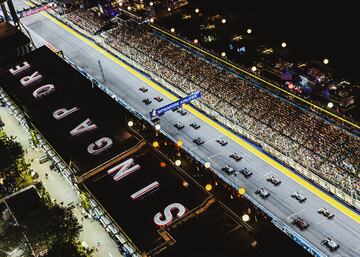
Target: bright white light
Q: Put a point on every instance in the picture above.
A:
(197, 10)
(177, 162)
(249, 31)
(157, 127)
(130, 123)
(253, 68)
(326, 61)
(245, 217)
(196, 41)
(207, 165)
(223, 21)
(330, 105)
(223, 54)
(151, 20)
(84, 244)
(169, 9)
(283, 44)
(151, 3)
(172, 30)
(129, 8)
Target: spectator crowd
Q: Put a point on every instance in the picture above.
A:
(322, 147)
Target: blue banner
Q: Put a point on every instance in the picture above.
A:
(164, 109)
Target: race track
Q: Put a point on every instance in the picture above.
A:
(343, 229)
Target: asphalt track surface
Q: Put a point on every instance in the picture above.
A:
(344, 228)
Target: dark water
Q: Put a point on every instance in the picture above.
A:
(313, 30)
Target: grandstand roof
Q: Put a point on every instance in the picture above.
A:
(72, 90)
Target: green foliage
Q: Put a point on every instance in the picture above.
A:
(52, 225)
(85, 201)
(44, 194)
(11, 239)
(54, 228)
(10, 152)
(66, 249)
(33, 137)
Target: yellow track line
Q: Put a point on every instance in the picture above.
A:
(258, 78)
(215, 125)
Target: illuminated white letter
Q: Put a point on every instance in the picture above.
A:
(99, 146)
(19, 68)
(27, 80)
(43, 91)
(86, 125)
(162, 222)
(149, 188)
(122, 169)
(62, 112)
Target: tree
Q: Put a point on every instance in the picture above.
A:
(49, 227)
(11, 239)
(54, 225)
(65, 249)
(64, 225)
(10, 151)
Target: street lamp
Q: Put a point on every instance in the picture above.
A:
(253, 68)
(245, 217)
(197, 10)
(178, 163)
(152, 20)
(330, 105)
(196, 41)
(172, 30)
(326, 61)
(157, 127)
(283, 44)
(179, 143)
(155, 144)
(129, 8)
(223, 54)
(151, 3)
(169, 9)
(130, 123)
(207, 165)
(249, 31)
(208, 187)
(223, 21)
(241, 191)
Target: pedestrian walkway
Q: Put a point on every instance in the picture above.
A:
(13, 128)
(60, 190)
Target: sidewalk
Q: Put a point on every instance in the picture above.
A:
(61, 190)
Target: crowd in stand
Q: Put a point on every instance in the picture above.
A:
(323, 148)
(87, 20)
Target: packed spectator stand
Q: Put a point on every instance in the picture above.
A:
(322, 147)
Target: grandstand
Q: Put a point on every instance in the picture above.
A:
(321, 146)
